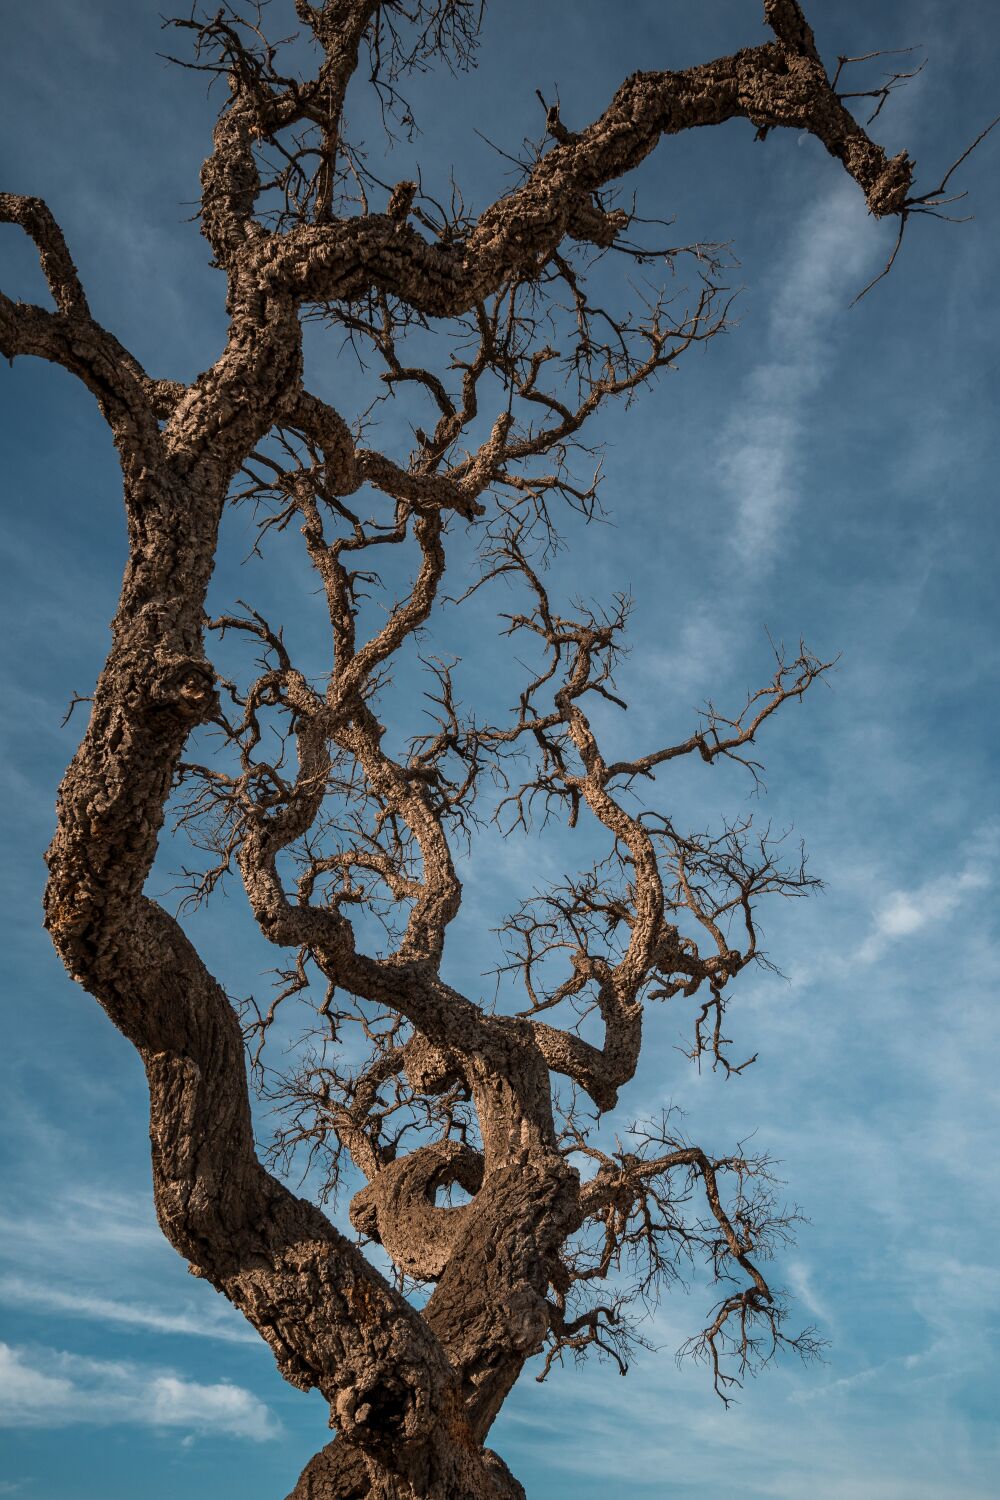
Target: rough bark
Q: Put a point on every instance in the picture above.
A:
(411, 1393)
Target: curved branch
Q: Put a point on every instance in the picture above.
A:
(397, 1208)
(129, 399)
(779, 84)
(35, 218)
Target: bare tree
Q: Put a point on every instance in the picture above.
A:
(333, 827)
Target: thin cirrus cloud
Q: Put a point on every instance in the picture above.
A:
(780, 1451)
(77, 1219)
(906, 913)
(16, 1291)
(50, 1388)
(67, 1242)
(762, 445)
(761, 468)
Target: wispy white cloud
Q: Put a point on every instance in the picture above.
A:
(801, 1283)
(762, 462)
(91, 1253)
(694, 657)
(51, 1388)
(15, 1291)
(780, 1447)
(76, 1218)
(903, 913)
(762, 465)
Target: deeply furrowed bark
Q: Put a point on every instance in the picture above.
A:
(411, 1394)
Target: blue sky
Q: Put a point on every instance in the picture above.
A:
(820, 471)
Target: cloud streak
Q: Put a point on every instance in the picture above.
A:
(50, 1388)
(762, 444)
(906, 913)
(15, 1291)
(77, 1218)
(761, 467)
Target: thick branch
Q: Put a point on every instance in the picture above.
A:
(778, 84)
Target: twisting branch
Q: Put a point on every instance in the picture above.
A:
(129, 399)
(60, 273)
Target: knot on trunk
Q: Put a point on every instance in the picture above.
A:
(891, 188)
(429, 1069)
(185, 687)
(592, 224)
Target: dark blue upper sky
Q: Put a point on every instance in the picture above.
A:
(821, 471)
